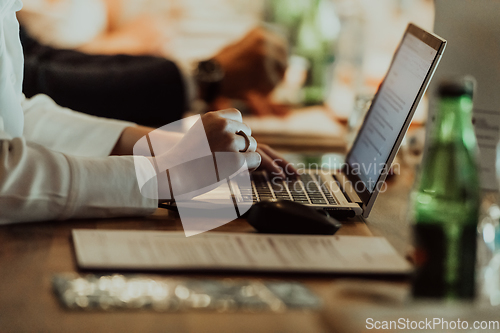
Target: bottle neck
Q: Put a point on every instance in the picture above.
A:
(454, 121)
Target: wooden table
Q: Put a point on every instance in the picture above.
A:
(30, 254)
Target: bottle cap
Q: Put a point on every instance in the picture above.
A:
(456, 88)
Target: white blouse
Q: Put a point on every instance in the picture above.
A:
(54, 162)
(52, 173)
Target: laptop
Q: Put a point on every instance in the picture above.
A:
(352, 190)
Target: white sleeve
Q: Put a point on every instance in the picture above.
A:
(66, 131)
(61, 168)
(38, 184)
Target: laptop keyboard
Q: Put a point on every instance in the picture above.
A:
(306, 190)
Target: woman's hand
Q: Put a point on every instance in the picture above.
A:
(221, 128)
(217, 129)
(210, 151)
(275, 164)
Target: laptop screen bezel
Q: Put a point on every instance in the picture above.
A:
(367, 197)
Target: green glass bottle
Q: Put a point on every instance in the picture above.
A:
(447, 200)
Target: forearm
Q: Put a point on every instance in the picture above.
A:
(130, 135)
(128, 138)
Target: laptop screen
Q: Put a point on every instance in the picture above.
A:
(390, 109)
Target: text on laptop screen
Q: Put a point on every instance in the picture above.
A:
(390, 109)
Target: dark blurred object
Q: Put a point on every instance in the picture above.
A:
(288, 217)
(143, 89)
(456, 88)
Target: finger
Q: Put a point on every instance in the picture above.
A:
(234, 126)
(287, 167)
(253, 144)
(253, 159)
(229, 163)
(241, 143)
(270, 165)
(232, 114)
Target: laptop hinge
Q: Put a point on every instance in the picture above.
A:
(339, 184)
(347, 189)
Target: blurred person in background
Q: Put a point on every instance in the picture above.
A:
(147, 61)
(55, 163)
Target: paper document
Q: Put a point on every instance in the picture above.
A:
(163, 250)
